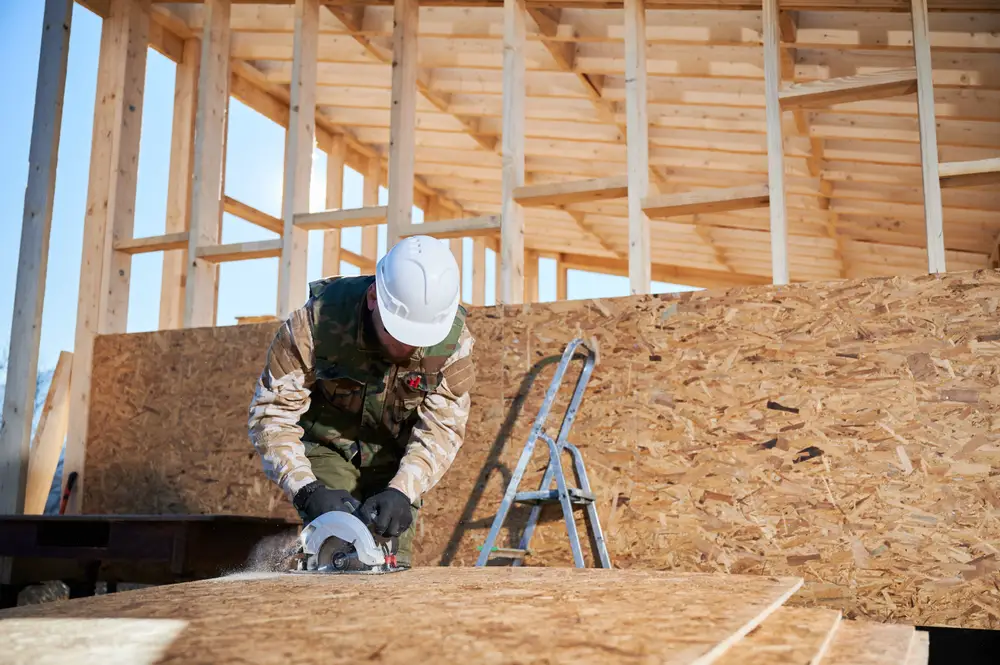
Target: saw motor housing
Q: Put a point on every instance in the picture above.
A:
(339, 542)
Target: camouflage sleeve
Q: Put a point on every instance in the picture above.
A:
(440, 429)
(279, 400)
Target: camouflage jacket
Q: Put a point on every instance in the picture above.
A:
(325, 381)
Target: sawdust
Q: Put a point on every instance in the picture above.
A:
(274, 554)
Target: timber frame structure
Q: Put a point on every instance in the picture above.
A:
(715, 143)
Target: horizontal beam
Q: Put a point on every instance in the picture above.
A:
(154, 243)
(970, 174)
(343, 218)
(252, 215)
(709, 200)
(363, 263)
(241, 251)
(577, 191)
(827, 92)
(707, 279)
(455, 228)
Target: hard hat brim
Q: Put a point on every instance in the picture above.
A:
(413, 333)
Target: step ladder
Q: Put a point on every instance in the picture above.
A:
(562, 494)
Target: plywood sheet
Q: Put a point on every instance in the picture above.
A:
(491, 615)
(859, 643)
(920, 650)
(789, 635)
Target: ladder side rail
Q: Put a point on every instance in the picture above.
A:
(584, 483)
(564, 500)
(581, 387)
(536, 511)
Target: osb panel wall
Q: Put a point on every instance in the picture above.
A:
(845, 432)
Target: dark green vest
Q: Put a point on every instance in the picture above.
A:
(359, 397)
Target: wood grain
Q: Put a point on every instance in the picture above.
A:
(789, 635)
(871, 644)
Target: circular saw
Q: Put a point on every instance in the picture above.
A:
(339, 542)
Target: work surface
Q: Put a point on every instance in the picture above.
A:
(483, 615)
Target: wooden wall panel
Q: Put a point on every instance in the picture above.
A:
(845, 432)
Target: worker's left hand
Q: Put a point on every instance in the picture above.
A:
(389, 512)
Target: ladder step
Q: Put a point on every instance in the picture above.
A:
(576, 495)
(844, 89)
(508, 553)
(707, 200)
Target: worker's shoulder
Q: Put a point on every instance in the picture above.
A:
(459, 338)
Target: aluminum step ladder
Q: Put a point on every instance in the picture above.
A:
(562, 494)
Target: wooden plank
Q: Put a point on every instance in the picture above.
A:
(933, 214)
(166, 242)
(576, 191)
(240, 251)
(369, 194)
(775, 143)
(252, 215)
(478, 271)
(706, 201)
(790, 635)
(511, 259)
(33, 257)
(336, 155)
(49, 437)
(994, 260)
(403, 118)
(662, 272)
(470, 227)
(342, 219)
(637, 140)
(179, 185)
(209, 147)
(299, 141)
(661, 617)
(845, 89)
(365, 264)
(562, 279)
(863, 643)
(530, 276)
(970, 174)
(920, 650)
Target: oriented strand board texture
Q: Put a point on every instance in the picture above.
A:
(442, 615)
(790, 635)
(871, 644)
(847, 433)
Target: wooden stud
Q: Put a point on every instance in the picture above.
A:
(36, 226)
(299, 142)
(209, 142)
(369, 194)
(252, 215)
(846, 89)
(179, 185)
(511, 259)
(562, 279)
(933, 214)
(637, 140)
(478, 271)
(334, 200)
(576, 191)
(706, 201)
(403, 117)
(470, 227)
(165, 243)
(970, 174)
(530, 276)
(241, 251)
(49, 437)
(775, 144)
(368, 218)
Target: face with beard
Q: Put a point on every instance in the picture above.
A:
(394, 350)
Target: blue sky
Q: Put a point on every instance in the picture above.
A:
(253, 175)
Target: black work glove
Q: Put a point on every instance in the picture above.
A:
(316, 498)
(388, 511)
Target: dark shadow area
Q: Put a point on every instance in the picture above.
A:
(969, 646)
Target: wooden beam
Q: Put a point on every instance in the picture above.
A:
(209, 142)
(32, 266)
(336, 155)
(530, 276)
(342, 219)
(845, 89)
(709, 279)
(179, 185)
(369, 194)
(241, 251)
(166, 242)
(705, 201)
(639, 242)
(299, 142)
(252, 215)
(49, 437)
(994, 261)
(775, 144)
(562, 279)
(365, 264)
(512, 142)
(970, 174)
(478, 271)
(577, 191)
(470, 227)
(403, 118)
(933, 213)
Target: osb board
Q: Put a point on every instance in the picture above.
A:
(790, 635)
(857, 643)
(436, 615)
(920, 650)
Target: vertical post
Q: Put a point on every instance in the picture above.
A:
(458, 251)
(49, 437)
(511, 259)
(369, 197)
(179, 185)
(104, 179)
(479, 271)
(637, 146)
(402, 118)
(775, 144)
(209, 142)
(36, 226)
(299, 141)
(530, 276)
(562, 280)
(933, 214)
(336, 156)
(217, 268)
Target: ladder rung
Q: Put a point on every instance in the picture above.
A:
(508, 552)
(844, 89)
(552, 496)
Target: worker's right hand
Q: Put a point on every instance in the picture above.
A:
(316, 498)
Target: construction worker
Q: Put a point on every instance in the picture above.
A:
(364, 396)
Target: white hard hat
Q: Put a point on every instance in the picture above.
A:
(418, 287)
